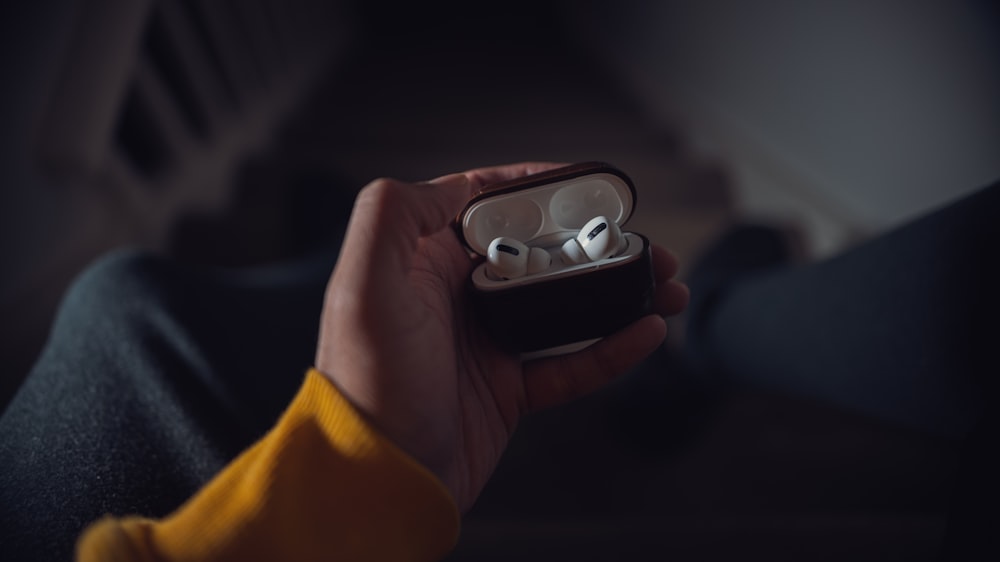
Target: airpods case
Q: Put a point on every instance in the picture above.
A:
(564, 307)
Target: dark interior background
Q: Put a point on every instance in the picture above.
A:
(232, 133)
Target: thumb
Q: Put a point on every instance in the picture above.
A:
(389, 218)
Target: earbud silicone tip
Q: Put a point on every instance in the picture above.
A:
(572, 253)
(538, 260)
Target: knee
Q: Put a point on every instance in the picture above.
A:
(120, 288)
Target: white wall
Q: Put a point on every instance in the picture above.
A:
(875, 110)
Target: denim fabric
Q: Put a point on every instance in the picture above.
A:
(154, 377)
(900, 327)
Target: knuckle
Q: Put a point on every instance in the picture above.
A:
(607, 365)
(380, 190)
(380, 198)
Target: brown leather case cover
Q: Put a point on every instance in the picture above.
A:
(592, 304)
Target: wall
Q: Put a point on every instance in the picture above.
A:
(123, 117)
(872, 111)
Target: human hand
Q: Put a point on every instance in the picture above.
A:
(397, 337)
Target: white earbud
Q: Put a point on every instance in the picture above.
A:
(507, 258)
(598, 239)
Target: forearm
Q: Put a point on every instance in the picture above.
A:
(321, 485)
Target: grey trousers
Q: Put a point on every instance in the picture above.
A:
(156, 374)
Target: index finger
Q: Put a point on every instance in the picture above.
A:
(481, 177)
(665, 264)
(388, 219)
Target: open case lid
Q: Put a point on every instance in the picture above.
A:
(548, 208)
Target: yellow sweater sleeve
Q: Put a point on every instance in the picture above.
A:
(322, 485)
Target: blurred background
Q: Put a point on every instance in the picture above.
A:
(236, 133)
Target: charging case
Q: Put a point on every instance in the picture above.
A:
(566, 306)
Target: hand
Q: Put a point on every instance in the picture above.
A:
(398, 340)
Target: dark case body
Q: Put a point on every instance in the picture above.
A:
(550, 313)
